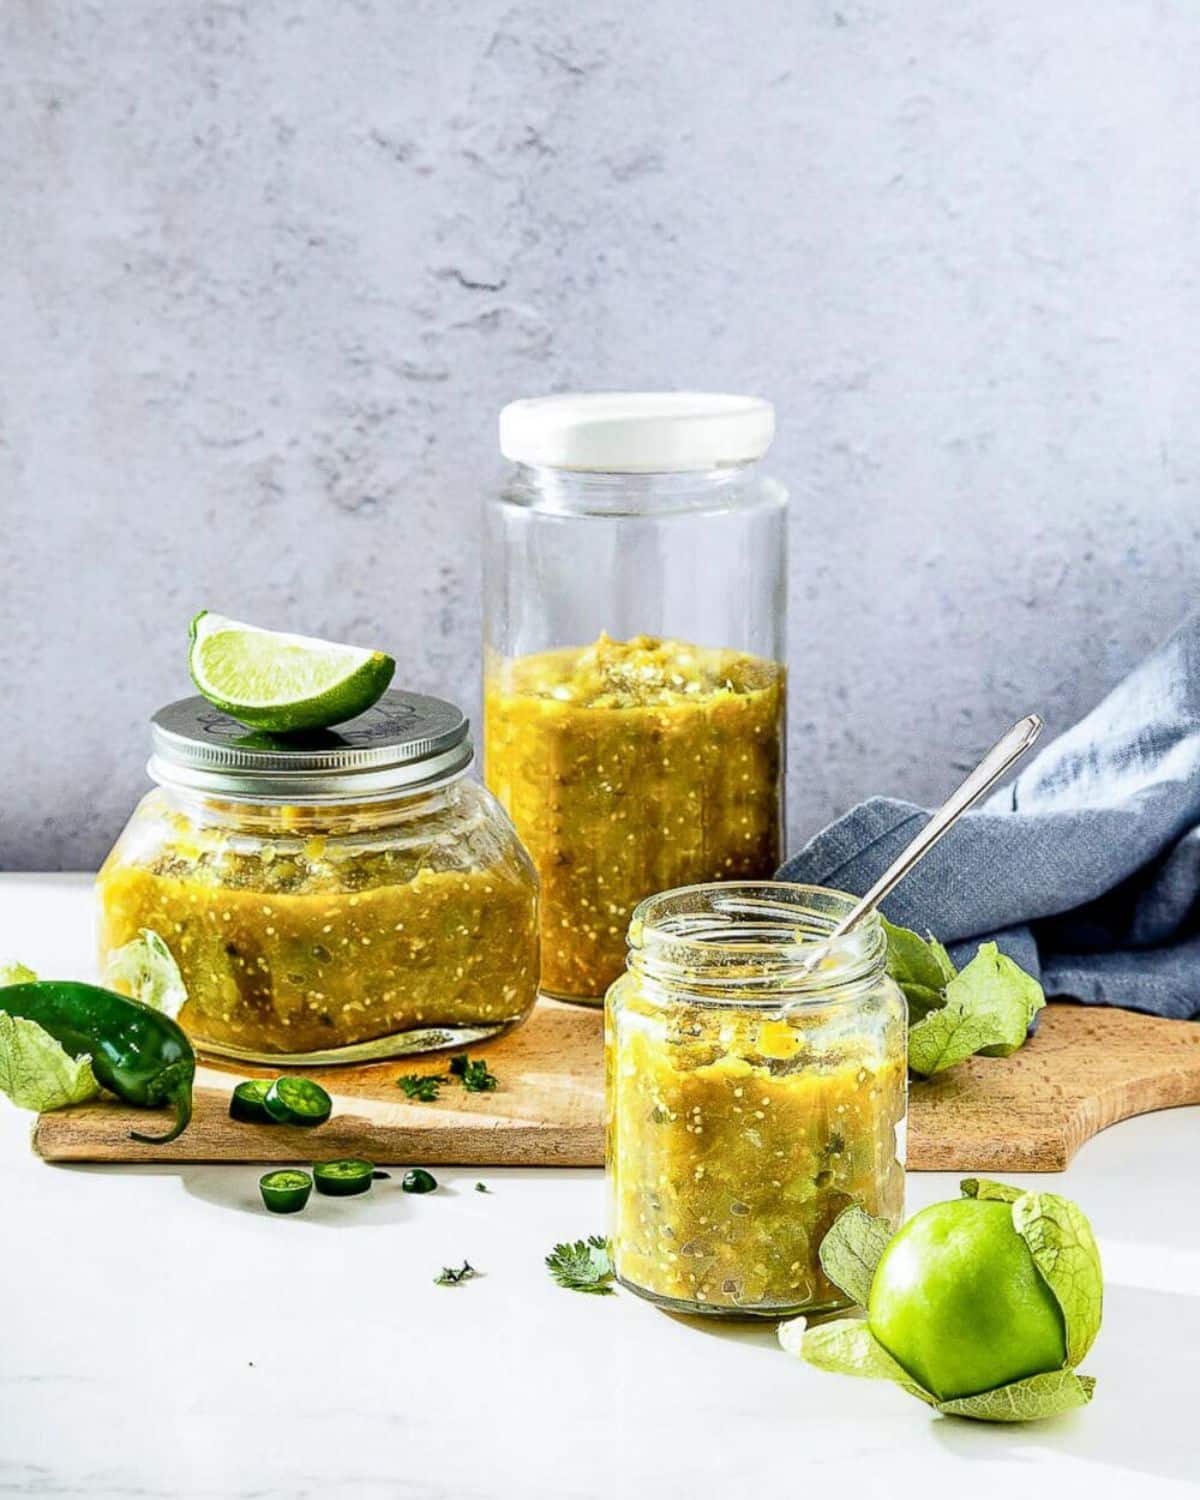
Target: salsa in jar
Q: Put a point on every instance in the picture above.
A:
(346, 895)
(750, 1099)
(630, 767)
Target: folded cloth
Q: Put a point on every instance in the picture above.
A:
(1085, 869)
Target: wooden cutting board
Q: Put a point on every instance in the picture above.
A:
(548, 1110)
(1085, 1069)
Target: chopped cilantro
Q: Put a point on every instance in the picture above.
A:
(422, 1086)
(451, 1277)
(473, 1074)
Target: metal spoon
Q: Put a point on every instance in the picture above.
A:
(1009, 748)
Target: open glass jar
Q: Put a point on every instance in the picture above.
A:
(332, 897)
(635, 588)
(750, 1098)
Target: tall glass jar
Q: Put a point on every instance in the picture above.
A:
(330, 897)
(634, 623)
(750, 1098)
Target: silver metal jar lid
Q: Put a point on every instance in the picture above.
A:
(405, 740)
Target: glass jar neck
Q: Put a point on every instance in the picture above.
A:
(755, 943)
(587, 492)
(310, 818)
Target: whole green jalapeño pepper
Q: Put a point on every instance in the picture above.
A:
(137, 1053)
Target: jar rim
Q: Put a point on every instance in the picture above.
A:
(739, 937)
(575, 496)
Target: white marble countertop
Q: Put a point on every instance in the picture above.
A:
(164, 1336)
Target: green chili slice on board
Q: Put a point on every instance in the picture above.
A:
(343, 1178)
(137, 1053)
(248, 1102)
(297, 1101)
(285, 1192)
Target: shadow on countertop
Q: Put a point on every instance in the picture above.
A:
(1143, 1415)
(235, 1187)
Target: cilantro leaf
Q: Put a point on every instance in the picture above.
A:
(422, 1086)
(146, 969)
(584, 1266)
(988, 1007)
(473, 1074)
(36, 1072)
(451, 1277)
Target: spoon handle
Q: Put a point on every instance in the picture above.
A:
(1009, 748)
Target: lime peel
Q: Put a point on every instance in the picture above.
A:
(283, 683)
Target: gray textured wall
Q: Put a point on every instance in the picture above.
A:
(267, 271)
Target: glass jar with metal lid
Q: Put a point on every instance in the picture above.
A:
(635, 584)
(756, 1087)
(328, 897)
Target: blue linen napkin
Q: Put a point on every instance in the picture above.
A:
(1085, 869)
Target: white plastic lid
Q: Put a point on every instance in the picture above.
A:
(637, 432)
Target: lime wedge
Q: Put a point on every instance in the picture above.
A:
(280, 682)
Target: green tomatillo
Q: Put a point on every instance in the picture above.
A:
(981, 1307)
(957, 1300)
